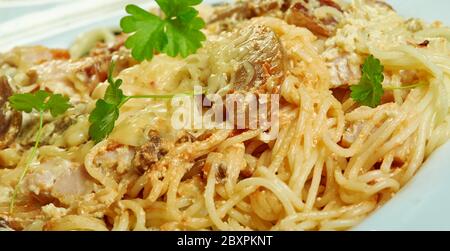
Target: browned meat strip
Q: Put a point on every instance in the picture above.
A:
(301, 16)
(330, 3)
(196, 169)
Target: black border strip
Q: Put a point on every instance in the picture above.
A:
(165, 241)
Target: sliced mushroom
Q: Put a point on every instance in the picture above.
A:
(263, 58)
(10, 120)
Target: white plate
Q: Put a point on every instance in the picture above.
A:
(423, 204)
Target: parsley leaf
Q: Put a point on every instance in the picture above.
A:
(28, 101)
(172, 7)
(178, 34)
(370, 89)
(40, 101)
(103, 119)
(106, 111)
(114, 95)
(148, 34)
(57, 104)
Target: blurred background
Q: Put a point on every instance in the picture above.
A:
(56, 22)
(10, 9)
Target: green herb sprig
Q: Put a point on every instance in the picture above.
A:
(177, 34)
(369, 90)
(40, 101)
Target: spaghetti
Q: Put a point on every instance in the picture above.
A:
(333, 163)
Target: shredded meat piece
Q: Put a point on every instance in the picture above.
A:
(10, 120)
(342, 72)
(59, 179)
(83, 75)
(150, 153)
